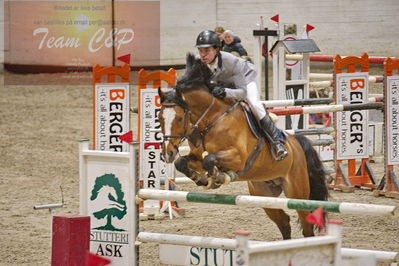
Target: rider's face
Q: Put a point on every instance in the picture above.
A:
(207, 54)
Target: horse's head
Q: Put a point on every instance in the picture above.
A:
(174, 119)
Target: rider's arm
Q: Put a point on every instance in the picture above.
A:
(240, 72)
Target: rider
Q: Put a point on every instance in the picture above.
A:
(240, 74)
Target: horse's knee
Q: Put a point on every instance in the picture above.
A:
(181, 165)
(209, 163)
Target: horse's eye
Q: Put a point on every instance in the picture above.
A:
(179, 119)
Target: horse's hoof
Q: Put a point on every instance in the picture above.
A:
(202, 183)
(212, 184)
(227, 179)
(199, 179)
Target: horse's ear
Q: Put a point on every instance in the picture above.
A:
(161, 94)
(190, 60)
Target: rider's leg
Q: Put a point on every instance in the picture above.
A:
(279, 151)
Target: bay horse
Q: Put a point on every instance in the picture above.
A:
(221, 143)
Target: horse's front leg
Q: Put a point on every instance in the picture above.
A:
(191, 166)
(222, 167)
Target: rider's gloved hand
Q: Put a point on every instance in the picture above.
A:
(219, 91)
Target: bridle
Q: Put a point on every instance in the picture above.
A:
(186, 119)
(194, 131)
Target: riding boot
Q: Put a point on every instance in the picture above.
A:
(278, 149)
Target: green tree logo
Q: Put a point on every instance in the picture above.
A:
(117, 206)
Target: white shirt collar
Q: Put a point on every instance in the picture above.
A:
(214, 65)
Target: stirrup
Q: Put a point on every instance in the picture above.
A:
(279, 151)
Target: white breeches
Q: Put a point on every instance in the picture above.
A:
(254, 101)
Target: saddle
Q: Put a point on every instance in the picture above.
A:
(254, 125)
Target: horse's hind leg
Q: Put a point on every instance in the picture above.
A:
(297, 187)
(307, 228)
(282, 220)
(279, 217)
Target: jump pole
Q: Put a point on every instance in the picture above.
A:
(310, 101)
(269, 202)
(330, 58)
(327, 108)
(330, 83)
(389, 185)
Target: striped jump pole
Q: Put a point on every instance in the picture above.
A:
(329, 76)
(330, 83)
(307, 131)
(314, 142)
(311, 131)
(330, 58)
(311, 101)
(269, 202)
(293, 102)
(326, 108)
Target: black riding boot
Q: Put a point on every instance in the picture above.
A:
(279, 151)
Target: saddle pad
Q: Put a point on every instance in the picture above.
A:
(254, 125)
(251, 120)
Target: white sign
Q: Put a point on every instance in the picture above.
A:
(186, 255)
(152, 168)
(107, 196)
(112, 116)
(352, 142)
(392, 101)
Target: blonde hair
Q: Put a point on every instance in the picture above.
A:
(219, 29)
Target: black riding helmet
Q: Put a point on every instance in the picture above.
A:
(208, 38)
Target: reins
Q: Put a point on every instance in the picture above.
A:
(206, 130)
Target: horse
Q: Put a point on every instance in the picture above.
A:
(224, 149)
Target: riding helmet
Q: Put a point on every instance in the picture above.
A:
(208, 38)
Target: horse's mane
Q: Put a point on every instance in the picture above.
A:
(172, 97)
(197, 75)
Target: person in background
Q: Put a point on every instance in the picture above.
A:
(232, 44)
(219, 31)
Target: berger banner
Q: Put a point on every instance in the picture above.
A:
(352, 139)
(71, 36)
(392, 101)
(112, 116)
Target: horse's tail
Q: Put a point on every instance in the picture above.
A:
(317, 175)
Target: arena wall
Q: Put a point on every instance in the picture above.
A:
(346, 27)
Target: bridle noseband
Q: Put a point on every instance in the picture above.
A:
(185, 129)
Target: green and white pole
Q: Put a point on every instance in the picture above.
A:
(269, 202)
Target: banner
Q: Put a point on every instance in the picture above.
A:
(392, 101)
(352, 126)
(73, 35)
